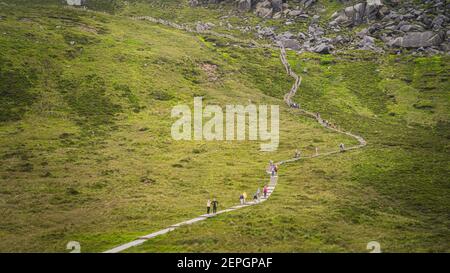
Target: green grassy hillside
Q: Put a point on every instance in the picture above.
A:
(395, 191)
(86, 153)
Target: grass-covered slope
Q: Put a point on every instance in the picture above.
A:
(395, 191)
(86, 153)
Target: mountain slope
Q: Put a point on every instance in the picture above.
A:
(86, 153)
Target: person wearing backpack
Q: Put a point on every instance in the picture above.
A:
(215, 204)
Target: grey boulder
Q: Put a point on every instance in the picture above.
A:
(418, 39)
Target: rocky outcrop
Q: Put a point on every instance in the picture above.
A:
(392, 25)
(193, 3)
(291, 44)
(244, 5)
(264, 9)
(322, 48)
(201, 27)
(407, 26)
(76, 2)
(358, 14)
(418, 39)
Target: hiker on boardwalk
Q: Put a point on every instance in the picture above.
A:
(208, 206)
(265, 190)
(258, 194)
(245, 196)
(255, 197)
(241, 199)
(271, 168)
(215, 204)
(342, 147)
(297, 154)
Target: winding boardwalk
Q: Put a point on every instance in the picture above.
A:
(274, 179)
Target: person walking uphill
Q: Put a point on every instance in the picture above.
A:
(215, 204)
(208, 206)
(270, 168)
(273, 169)
(265, 190)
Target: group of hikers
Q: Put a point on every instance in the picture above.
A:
(325, 122)
(297, 153)
(272, 169)
(242, 199)
(329, 125)
(294, 105)
(256, 195)
(214, 203)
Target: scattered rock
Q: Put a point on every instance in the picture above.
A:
(421, 26)
(295, 13)
(307, 3)
(201, 27)
(359, 13)
(437, 23)
(266, 32)
(76, 2)
(147, 180)
(418, 39)
(411, 27)
(301, 36)
(193, 3)
(245, 5)
(322, 49)
(277, 5)
(277, 15)
(264, 9)
(291, 44)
